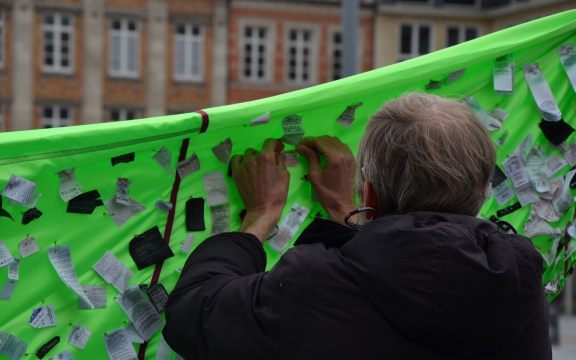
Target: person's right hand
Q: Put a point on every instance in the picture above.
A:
(334, 184)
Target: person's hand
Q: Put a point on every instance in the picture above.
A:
(333, 183)
(262, 181)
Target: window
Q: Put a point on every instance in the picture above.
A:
(299, 55)
(124, 50)
(1, 118)
(189, 52)
(56, 116)
(255, 53)
(123, 114)
(2, 31)
(58, 39)
(337, 56)
(415, 40)
(458, 34)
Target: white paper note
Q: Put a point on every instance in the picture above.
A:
(8, 289)
(536, 169)
(264, 119)
(569, 152)
(535, 226)
(288, 227)
(13, 268)
(551, 255)
(96, 294)
(453, 76)
(78, 336)
(38, 314)
(545, 209)
(223, 150)
(503, 193)
(113, 271)
(293, 130)
(5, 256)
(291, 158)
(347, 117)
(554, 164)
(69, 186)
(220, 215)
(49, 319)
(504, 74)
(215, 186)
(122, 192)
(122, 213)
(187, 244)
(133, 334)
(562, 203)
(163, 206)
(541, 91)
(64, 355)
(526, 195)
(188, 166)
(27, 247)
(500, 142)
(515, 171)
(61, 259)
(140, 311)
(567, 56)
(489, 122)
(19, 189)
(555, 189)
(118, 345)
(11, 346)
(31, 203)
(164, 158)
(164, 352)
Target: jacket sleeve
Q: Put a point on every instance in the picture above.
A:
(224, 306)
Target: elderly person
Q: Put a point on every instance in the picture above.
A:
(422, 279)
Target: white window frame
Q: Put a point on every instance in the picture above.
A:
(189, 40)
(332, 30)
(57, 30)
(414, 41)
(461, 32)
(55, 121)
(269, 53)
(123, 114)
(125, 35)
(2, 39)
(314, 41)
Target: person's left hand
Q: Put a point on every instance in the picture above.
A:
(262, 181)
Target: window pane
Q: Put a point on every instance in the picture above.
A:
(471, 34)
(47, 112)
(406, 39)
(293, 35)
(64, 113)
(262, 33)
(180, 57)
(65, 20)
(130, 115)
(452, 36)
(115, 53)
(337, 38)
(116, 25)
(195, 58)
(180, 29)
(114, 115)
(49, 19)
(248, 31)
(132, 50)
(131, 26)
(195, 30)
(424, 40)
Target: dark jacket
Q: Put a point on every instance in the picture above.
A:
(417, 286)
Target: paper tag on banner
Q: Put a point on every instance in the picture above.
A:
(61, 259)
(31, 203)
(288, 228)
(348, 116)
(8, 289)
(555, 189)
(515, 171)
(5, 256)
(567, 56)
(541, 91)
(504, 74)
(121, 213)
(133, 334)
(562, 203)
(293, 130)
(78, 336)
(96, 294)
(119, 346)
(215, 186)
(503, 193)
(536, 169)
(453, 76)
(535, 226)
(164, 351)
(122, 196)
(500, 142)
(37, 316)
(164, 158)
(220, 219)
(140, 311)
(113, 271)
(49, 319)
(13, 268)
(19, 189)
(260, 120)
(526, 195)
(187, 244)
(554, 164)
(489, 122)
(69, 186)
(545, 209)
(11, 346)
(223, 150)
(551, 255)
(569, 152)
(64, 355)
(291, 158)
(188, 166)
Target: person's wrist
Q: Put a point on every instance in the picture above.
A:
(260, 223)
(338, 213)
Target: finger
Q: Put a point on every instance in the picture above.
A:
(321, 144)
(273, 146)
(311, 155)
(249, 153)
(281, 160)
(236, 160)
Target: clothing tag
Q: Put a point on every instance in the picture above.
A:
(47, 347)
(122, 196)
(551, 287)
(535, 226)
(195, 215)
(541, 92)
(215, 187)
(145, 318)
(27, 247)
(551, 255)
(37, 316)
(556, 131)
(7, 291)
(164, 159)
(555, 189)
(500, 142)
(149, 249)
(187, 244)
(489, 122)
(567, 56)
(49, 319)
(30, 215)
(19, 189)
(164, 352)
(126, 158)
(223, 150)
(291, 158)
(453, 76)
(433, 85)
(163, 206)
(229, 169)
(61, 259)
(264, 119)
(498, 177)
(121, 213)
(64, 355)
(569, 152)
(293, 130)
(13, 268)
(526, 195)
(220, 219)
(133, 334)
(536, 169)
(562, 203)
(96, 294)
(31, 203)
(113, 271)
(504, 74)
(288, 227)
(4, 213)
(508, 210)
(5, 256)
(69, 186)
(118, 345)
(503, 193)
(347, 117)
(498, 114)
(188, 166)
(158, 296)
(515, 171)
(85, 203)
(78, 336)
(554, 164)
(11, 346)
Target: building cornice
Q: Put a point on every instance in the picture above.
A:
(71, 8)
(312, 7)
(193, 18)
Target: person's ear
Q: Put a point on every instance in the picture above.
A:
(370, 199)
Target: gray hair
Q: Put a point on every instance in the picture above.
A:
(422, 152)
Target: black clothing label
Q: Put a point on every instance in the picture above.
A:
(508, 210)
(230, 168)
(433, 85)
(149, 248)
(47, 347)
(85, 203)
(195, 215)
(556, 131)
(30, 215)
(3, 212)
(126, 158)
(158, 296)
(498, 177)
(573, 182)
(503, 225)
